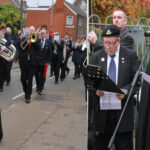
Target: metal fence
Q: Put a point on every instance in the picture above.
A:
(137, 32)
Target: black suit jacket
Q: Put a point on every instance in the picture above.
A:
(30, 54)
(44, 54)
(126, 39)
(128, 65)
(68, 52)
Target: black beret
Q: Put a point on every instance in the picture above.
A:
(111, 31)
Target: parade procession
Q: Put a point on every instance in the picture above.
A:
(74, 75)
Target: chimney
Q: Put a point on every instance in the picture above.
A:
(60, 4)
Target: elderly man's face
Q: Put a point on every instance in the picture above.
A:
(43, 33)
(32, 30)
(111, 45)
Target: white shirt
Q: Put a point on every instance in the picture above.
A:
(116, 60)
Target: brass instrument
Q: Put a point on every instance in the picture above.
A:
(31, 37)
(9, 52)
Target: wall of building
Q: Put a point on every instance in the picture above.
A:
(60, 11)
(37, 18)
(5, 1)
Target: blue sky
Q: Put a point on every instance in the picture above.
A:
(32, 3)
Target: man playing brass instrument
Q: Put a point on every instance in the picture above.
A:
(2, 60)
(28, 59)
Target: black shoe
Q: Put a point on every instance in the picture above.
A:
(7, 83)
(1, 90)
(39, 92)
(68, 71)
(51, 75)
(62, 79)
(56, 82)
(28, 100)
(75, 77)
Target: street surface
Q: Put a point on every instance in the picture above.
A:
(57, 120)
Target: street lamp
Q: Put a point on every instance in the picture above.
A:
(51, 16)
(21, 14)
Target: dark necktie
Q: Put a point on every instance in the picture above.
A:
(112, 70)
(42, 44)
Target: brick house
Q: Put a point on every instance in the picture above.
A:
(65, 18)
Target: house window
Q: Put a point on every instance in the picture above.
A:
(69, 20)
(80, 21)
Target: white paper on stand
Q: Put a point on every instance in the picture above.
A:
(110, 101)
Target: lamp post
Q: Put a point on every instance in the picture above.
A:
(21, 14)
(51, 24)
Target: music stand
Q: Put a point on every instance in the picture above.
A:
(96, 79)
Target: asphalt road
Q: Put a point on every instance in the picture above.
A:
(14, 91)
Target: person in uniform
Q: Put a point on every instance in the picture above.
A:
(66, 54)
(57, 56)
(8, 64)
(3, 62)
(120, 64)
(43, 59)
(28, 60)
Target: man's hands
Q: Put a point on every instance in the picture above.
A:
(92, 37)
(120, 96)
(101, 93)
(1, 51)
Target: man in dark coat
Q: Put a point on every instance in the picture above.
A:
(28, 60)
(43, 59)
(3, 62)
(126, 39)
(66, 52)
(143, 124)
(126, 64)
(120, 20)
(57, 56)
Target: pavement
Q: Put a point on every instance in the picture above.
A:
(56, 120)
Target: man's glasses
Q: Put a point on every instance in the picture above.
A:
(110, 43)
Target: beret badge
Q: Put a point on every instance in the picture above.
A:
(108, 32)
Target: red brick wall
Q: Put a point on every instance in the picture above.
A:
(60, 11)
(5, 1)
(37, 18)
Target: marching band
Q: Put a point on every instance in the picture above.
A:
(35, 51)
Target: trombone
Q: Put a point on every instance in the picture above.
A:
(31, 37)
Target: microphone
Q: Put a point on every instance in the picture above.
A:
(147, 34)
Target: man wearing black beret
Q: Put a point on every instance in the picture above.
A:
(120, 64)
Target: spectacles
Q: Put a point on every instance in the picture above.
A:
(42, 33)
(110, 43)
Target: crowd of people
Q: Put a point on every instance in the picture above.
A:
(35, 51)
(115, 56)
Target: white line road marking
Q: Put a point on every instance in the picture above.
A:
(21, 94)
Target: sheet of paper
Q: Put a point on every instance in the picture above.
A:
(109, 101)
(56, 37)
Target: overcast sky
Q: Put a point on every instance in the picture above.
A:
(32, 3)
